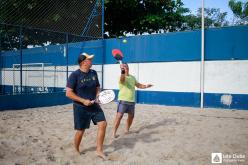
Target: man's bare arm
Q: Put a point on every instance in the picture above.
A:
(70, 94)
(143, 86)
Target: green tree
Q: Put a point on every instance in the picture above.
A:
(239, 9)
(212, 17)
(143, 16)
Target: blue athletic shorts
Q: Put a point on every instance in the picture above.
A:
(84, 114)
(126, 107)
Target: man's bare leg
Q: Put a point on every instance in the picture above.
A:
(77, 139)
(117, 123)
(100, 139)
(129, 122)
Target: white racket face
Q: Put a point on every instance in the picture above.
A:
(106, 96)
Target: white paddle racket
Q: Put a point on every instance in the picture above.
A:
(105, 97)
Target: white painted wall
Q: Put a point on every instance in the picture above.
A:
(112, 73)
(220, 76)
(226, 77)
(229, 77)
(36, 78)
(170, 76)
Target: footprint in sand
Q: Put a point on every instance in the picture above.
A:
(114, 157)
(2, 155)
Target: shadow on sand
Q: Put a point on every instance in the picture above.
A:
(143, 134)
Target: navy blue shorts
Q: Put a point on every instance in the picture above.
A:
(126, 107)
(84, 114)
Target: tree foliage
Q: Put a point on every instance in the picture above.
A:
(57, 15)
(121, 17)
(156, 16)
(45, 21)
(213, 17)
(239, 9)
(143, 16)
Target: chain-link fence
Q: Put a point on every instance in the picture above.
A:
(35, 39)
(30, 67)
(80, 17)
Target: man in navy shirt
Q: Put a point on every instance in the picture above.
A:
(83, 87)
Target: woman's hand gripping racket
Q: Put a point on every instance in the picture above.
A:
(117, 55)
(105, 97)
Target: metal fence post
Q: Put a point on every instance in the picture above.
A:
(103, 44)
(67, 58)
(1, 62)
(20, 41)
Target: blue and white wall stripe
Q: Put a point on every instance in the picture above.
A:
(172, 63)
(169, 61)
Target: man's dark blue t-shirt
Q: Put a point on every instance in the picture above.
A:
(84, 84)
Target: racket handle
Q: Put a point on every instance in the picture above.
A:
(120, 62)
(96, 100)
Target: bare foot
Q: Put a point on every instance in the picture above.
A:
(78, 152)
(126, 131)
(101, 155)
(115, 136)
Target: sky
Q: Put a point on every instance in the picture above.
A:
(193, 5)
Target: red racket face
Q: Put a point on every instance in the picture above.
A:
(117, 54)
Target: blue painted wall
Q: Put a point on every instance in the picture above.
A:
(228, 43)
(32, 100)
(184, 46)
(239, 101)
(55, 54)
(167, 98)
(30, 89)
(211, 100)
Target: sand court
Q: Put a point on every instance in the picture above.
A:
(159, 135)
